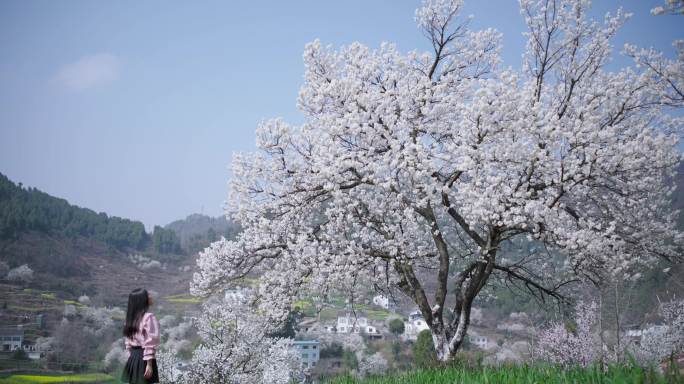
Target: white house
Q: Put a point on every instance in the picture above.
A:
(415, 325)
(653, 331)
(11, 338)
(32, 352)
(351, 324)
(234, 295)
(308, 325)
(381, 301)
(634, 333)
(480, 341)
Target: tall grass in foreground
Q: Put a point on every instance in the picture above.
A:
(541, 374)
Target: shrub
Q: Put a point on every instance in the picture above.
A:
(396, 326)
(424, 353)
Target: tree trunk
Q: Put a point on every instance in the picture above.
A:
(449, 339)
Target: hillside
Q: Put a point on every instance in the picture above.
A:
(75, 251)
(29, 209)
(197, 231)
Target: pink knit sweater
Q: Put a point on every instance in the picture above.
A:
(147, 337)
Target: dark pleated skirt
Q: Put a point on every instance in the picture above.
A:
(134, 370)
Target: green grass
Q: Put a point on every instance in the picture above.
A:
(46, 378)
(372, 313)
(184, 298)
(519, 375)
(328, 314)
(28, 309)
(306, 306)
(73, 302)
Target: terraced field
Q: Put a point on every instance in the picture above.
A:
(57, 378)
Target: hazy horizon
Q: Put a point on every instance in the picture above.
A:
(134, 109)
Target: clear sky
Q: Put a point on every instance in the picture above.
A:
(135, 107)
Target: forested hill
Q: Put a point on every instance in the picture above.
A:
(29, 209)
(198, 231)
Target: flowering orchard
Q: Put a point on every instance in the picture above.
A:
(418, 167)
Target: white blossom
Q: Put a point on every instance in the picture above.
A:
(659, 342)
(372, 365)
(22, 273)
(236, 348)
(116, 356)
(579, 346)
(421, 166)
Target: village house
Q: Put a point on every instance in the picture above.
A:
(635, 333)
(309, 351)
(415, 325)
(234, 295)
(11, 338)
(352, 324)
(479, 341)
(308, 326)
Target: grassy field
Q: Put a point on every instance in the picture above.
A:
(184, 298)
(46, 379)
(307, 307)
(520, 375)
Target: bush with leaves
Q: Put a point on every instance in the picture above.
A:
(424, 354)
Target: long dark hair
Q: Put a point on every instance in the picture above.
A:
(138, 302)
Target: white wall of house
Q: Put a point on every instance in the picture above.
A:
(11, 342)
(413, 327)
(381, 301)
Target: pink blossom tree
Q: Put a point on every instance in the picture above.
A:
(577, 345)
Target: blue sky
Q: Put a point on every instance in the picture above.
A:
(135, 107)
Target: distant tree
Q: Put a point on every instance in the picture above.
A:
(289, 328)
(396, 326)
(19, 354)
(424, 354)
(211, 235)
(664, 341)
(115, 357)
(573, 344)
(372, 365)
(235, 348)
(349, 359)
(333, 350)
(396, 349)
(672, 7)
(165, 240)
(4, 268)
(22, 274)
(71, 344)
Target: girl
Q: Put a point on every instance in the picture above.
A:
(141, 330)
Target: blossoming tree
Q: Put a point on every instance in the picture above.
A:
(236, 348)
(581, 346)
(413, 171)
